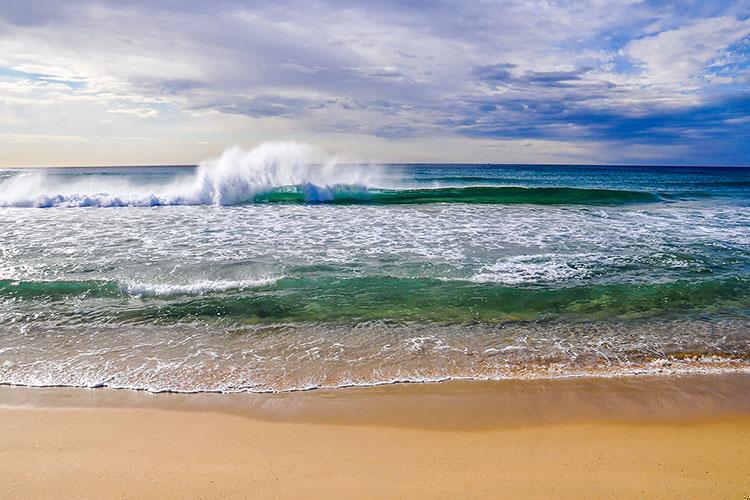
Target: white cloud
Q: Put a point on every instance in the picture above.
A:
(680, 55)
(140, 112)
(35, 138)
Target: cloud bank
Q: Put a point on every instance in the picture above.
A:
(112, 82)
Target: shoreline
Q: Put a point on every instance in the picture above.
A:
(489, 403)
(683, 436)
(730, 368)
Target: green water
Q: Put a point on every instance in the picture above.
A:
(343, 195)
(379, 298)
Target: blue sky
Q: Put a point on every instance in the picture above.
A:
(143, 82)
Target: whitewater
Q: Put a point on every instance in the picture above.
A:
(235, 177)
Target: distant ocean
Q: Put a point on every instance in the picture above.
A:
(275, 271)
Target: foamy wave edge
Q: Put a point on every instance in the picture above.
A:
(140, 289)
(654, 369)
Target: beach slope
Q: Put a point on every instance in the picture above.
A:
(105, 443)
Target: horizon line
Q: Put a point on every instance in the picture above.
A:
(446, 164)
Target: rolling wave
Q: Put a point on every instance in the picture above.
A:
(368, 298)
(354, 195)
(343, 194)
(281, 173)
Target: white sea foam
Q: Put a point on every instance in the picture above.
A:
(542, 268)
(189, 357)
(176, 378)
(235, 177)
(196, 288)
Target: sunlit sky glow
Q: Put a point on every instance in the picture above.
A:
(173, 82)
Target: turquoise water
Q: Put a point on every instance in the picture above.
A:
(270, 274)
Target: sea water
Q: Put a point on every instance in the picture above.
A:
(282, 268)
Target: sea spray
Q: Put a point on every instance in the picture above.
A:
(237, 176)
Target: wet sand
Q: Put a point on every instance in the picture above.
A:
(685, 437)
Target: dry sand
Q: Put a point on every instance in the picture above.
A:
(686, 437)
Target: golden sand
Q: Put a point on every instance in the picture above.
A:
(585, 439)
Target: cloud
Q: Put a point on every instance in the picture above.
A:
(677, 56)
(141, 112)
(628, 78)
(263, 106)
(500, 72)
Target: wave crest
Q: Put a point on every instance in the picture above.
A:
(237, 176)
(141, 289)
(283, 172)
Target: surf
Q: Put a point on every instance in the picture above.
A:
(284, 173)
(235, 177)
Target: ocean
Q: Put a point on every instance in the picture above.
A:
(281, 270)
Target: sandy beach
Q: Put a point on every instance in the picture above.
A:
(666, 437)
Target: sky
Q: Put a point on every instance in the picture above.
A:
(176, 81)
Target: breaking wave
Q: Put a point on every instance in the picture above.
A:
(282, 173)
(236, 177)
